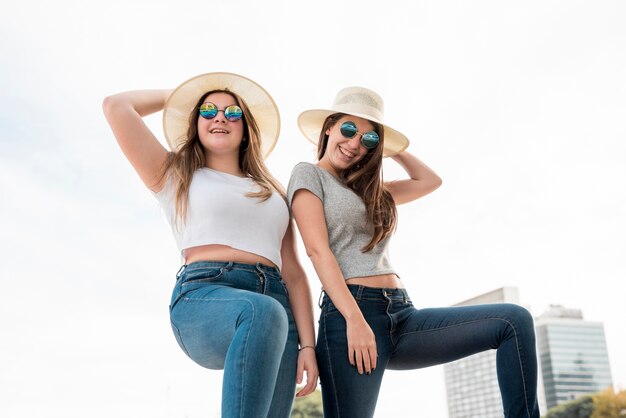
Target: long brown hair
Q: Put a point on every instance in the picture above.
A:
(184, 162)
(365, 179)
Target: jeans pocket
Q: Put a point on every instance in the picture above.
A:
(285, 289)
(329, 307)
(201, 276)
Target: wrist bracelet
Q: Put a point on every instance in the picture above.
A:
(306, 346)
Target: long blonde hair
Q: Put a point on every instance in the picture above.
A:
(365, 179)
(183, 163)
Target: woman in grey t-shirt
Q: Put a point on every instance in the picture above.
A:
(346, 214)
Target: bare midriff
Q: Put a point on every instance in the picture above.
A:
(224, 253)
(387, 281)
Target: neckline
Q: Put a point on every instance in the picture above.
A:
(225, 173)
(317, 167)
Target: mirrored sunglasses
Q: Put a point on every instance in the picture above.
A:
(368, 139)
(209, 110)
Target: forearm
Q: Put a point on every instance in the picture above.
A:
(334, 285)
(124, 113)
(301, 307)
(415, 168)
(360, 338)
(143, 102)
(423, 180)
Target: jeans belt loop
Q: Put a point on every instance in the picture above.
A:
(320, 300)
(359, 292)
(262, 279)
(180, 271)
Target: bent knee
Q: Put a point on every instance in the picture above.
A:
(520, 317)
(268, 313)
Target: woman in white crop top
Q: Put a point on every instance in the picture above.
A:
(346, 214)
(230, 308)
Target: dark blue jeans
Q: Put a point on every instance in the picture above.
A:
(237, 317)
(409, 338)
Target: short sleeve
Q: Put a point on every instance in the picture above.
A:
(305, 176)
(165, 196)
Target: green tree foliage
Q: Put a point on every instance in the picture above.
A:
(606, 404)
(581, 407)
(308, 407)
(609, 404)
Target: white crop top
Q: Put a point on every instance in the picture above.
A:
(219, 212)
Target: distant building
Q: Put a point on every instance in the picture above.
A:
(471, 383)
(573, 355)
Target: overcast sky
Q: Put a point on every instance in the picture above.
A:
(519, 106)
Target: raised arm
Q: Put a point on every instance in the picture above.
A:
(423, 180)
(309, 214)
(124, 112)
(302, 308)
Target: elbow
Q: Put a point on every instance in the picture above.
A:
(437, 181)
(110, 104)
(316, 254)
(311, 253)
(434, 184)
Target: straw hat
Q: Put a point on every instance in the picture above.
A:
(355, 101)
(185, 97)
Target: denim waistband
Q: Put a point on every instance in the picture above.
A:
(230, 265)
(361, 292)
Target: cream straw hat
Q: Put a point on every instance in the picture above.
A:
(355, 101)
(185, 97)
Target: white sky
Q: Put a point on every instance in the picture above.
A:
(518, 106)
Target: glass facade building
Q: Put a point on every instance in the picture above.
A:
(573, 355)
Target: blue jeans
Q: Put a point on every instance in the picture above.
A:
(237, 317)
(410, 338)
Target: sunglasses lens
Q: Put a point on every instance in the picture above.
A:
(370, 140)
(348, 129)
(208, 110)
(233, 113)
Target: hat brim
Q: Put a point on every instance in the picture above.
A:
(182, 101)
(311, 121)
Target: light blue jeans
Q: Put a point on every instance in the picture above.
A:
(237, 317)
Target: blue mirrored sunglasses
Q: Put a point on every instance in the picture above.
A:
(368, 139)
(209, 110)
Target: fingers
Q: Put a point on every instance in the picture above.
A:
(311, 381)
(311, 384)
(358, 358)
(299, 371)
(361, 345)
(307, 364)
(367, 362)
(351, 354)
(373, 358)
(364, 360)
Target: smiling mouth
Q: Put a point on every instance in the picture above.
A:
(218, 131)
(346, 152)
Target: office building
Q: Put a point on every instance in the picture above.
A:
(573, 355)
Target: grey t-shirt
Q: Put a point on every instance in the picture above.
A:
(346, 220)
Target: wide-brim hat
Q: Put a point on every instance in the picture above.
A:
(182, 101)
(356, 101)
